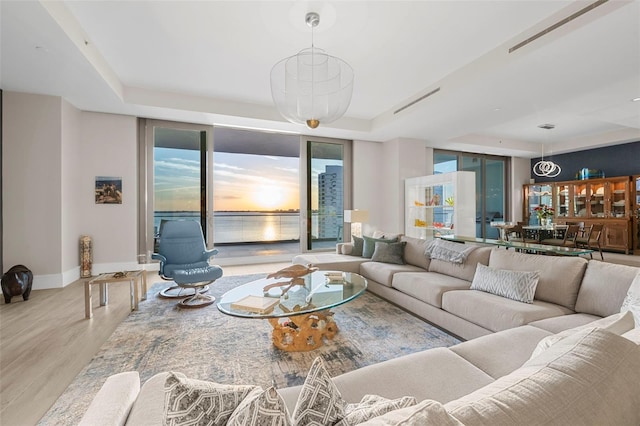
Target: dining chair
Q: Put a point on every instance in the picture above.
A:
(569, 239)
(591, 239)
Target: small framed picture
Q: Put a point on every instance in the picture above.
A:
(108, 190)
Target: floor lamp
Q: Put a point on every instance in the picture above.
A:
(356, 218)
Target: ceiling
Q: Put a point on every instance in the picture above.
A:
(209, 62)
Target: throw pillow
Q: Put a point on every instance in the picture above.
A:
(631, 302)
(261, 408)
(427, 412)
(358, 244)
(190, 401)
(617, 324)
(370, 245)
(389, 253)
(516, 285)
(373, 406)
(319, 402)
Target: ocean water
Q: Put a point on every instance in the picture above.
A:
(243, 227)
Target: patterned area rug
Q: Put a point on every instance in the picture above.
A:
(206, 344)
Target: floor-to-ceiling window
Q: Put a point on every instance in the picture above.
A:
(491, 185)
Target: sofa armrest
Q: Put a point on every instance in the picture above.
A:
(113, 401)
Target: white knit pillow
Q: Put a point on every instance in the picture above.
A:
(516, 285)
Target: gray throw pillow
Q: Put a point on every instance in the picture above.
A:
(389, 253)
(370, 245)
(358, 244)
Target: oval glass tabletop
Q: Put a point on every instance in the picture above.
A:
(278, 297)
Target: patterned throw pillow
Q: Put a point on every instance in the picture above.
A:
(373, 406)
(191, 402)
(389, 253)
(370, 245)
(261, 408)
(631, 301)
(516, 285)
(319, 402)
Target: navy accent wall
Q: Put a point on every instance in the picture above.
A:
(617, 160)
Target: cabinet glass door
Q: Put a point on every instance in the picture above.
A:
(561, 200)
(618, 196)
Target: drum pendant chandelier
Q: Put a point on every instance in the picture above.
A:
(312, 87)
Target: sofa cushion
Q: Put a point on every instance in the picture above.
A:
(370, 245)
(617, 324)
(114, 400)
(389, 253)
(414, 252)
(591, 378)
(563, 322)
(497, 313)
(211, 403)
(604, 287)
(383, 272)
(427, 287)
(426, 413)
(464, 271)
(631, 302)
(488, 352)
(560, 276)
(515, 285)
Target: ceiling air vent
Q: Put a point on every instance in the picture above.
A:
(558, 24)
(421, 98)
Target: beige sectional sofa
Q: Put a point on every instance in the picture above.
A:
(570, 357)
(571, 291)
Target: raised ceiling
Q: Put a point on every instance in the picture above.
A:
(209, 62)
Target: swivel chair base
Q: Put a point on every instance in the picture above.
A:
(197, 299)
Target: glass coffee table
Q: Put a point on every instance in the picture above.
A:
(298, 309)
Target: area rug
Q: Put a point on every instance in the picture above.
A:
(206, 344)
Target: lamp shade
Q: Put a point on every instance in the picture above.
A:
(356, 216)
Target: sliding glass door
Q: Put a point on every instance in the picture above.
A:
(491, 184)
(326, 192)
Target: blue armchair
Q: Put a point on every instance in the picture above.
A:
(184, 259)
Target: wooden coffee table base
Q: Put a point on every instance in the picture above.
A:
(301, 333)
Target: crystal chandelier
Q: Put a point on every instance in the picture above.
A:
(312, 87)
(546, 168)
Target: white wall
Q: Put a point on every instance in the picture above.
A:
(32, 151)
(52, 153)
(520, 175)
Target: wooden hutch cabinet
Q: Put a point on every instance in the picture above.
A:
(607, 200)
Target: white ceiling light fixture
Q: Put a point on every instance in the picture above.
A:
(312, 87)
(546, 168)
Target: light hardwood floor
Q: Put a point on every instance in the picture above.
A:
(46, 341)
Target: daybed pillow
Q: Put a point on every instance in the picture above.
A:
(389, 253)
(631, 302)
(516, 285)
(590, 378)
(370, 245)
(373, 406)
(261, 408)
(616, 324)
(191, 401)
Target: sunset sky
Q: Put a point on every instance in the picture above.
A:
(242, 181)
